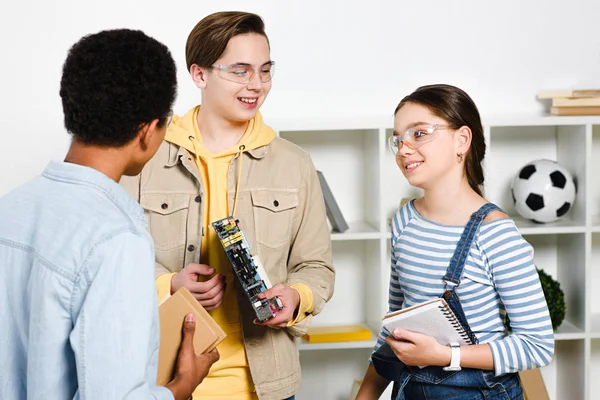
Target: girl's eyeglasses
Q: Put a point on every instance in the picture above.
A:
(415, 137)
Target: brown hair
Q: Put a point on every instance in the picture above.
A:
(207, 41)
(458, 109)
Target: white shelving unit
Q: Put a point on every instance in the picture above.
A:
(353, 155)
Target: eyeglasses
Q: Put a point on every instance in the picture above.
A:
(244, 73)
(415, 137)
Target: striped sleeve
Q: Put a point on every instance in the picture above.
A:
(396, 297)
(510, 259)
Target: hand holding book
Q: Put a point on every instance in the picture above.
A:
(418, 349)
(206, 336)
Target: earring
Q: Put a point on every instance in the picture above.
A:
(460, 157)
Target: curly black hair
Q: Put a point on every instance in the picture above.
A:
(113, 82)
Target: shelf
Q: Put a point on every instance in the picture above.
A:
(358, 230)
(594, 187)
(361, 171)
(537, 120)
(320, 123)
(348, 160)
(595, 322)
(357, 344)
(568, 331)
(531, 228)
(559, 227)
(594, 298)
(594, 371)
(564, 377)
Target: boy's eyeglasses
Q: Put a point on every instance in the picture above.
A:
(244, 73)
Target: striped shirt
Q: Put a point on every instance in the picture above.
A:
(499, 278)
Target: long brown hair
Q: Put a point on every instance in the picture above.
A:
(458, 109)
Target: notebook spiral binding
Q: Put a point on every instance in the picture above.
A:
(455, 323)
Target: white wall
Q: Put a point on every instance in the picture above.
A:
(333, 57)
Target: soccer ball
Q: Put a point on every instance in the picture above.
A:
(543, 191)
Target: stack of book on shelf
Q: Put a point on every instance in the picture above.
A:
(573, 102)
(337, 333)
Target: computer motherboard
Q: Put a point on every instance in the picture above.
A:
(248, 269)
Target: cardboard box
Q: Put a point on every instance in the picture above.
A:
(533, 385)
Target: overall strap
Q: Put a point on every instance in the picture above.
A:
(457, 263)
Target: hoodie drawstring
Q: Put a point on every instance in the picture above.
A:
(237, 185)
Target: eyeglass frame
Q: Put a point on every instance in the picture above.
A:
(225, 67)
(169, 118)
(431, 128)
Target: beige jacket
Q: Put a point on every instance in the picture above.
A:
(281, 210)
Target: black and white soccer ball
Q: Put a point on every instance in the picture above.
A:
(543, 191)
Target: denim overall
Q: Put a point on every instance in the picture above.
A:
(429, 383)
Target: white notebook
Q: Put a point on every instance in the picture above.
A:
(434, 318)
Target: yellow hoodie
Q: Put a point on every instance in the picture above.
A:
(230, 377)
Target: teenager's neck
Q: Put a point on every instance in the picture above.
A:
(218, 133)
(107, 160)
(451, 203)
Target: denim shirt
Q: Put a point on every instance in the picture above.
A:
(78, 305)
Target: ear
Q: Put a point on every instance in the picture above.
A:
(463, 139)
(146, 134)
(198, 75)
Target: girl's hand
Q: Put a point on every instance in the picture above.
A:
(415, 349)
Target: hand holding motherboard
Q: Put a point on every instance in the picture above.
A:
(249, 271)
(290, 299)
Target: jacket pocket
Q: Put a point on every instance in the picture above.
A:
(167, 218)
(273, 216)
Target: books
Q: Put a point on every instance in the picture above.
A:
(432, 318)
(551, 94)
(575, 110)
(172, 313)
(573, 102)
(338, 333)
(334, 214)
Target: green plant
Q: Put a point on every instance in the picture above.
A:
(555, 298)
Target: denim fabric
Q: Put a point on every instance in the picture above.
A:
(467, 385)
(431, 383)
(78, 304)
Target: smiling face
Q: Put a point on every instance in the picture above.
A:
(221, 93)
(429, 149)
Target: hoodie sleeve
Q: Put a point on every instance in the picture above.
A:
(310, 260)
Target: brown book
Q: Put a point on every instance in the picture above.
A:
(575, 110)
(551, 94)
(172, 313)
(576, 102)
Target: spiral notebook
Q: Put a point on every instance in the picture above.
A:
(434, 318)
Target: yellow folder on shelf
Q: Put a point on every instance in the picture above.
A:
(337, 333)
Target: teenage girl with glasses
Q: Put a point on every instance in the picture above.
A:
(453, 243)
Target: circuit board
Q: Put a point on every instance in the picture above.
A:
(248, 269)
